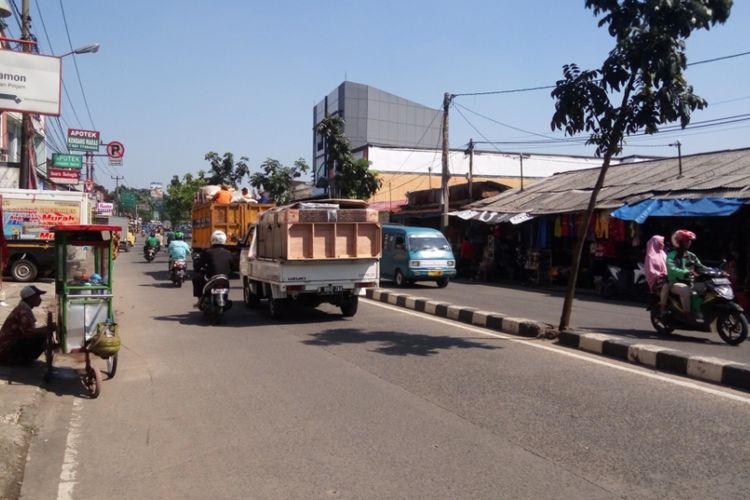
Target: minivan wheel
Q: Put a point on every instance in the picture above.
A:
(399, 278)
(442, 282)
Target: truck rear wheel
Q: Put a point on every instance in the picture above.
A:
(277, 307)
(250, 299)
(349, 306)
(23, 270)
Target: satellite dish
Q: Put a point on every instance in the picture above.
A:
(5, 9)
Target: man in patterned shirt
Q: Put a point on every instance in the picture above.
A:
(21, 341)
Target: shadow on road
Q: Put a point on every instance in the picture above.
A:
(162, 275)
(241, 317)
(395, 343)
(65, 381)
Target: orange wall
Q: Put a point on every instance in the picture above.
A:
(395, 186)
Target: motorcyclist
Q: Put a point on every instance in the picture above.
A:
(216, 260)
(151, 242)
(682, 266)
(177, 249)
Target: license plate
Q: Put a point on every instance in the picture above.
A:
(721, 281)
(434, 273)
(219, 290)
(330, 289)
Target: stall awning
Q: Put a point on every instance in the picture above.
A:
(703, 207)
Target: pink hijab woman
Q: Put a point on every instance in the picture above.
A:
(656, 269)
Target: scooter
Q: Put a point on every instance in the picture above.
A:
(618, 284)
(149, 254)
(714, 298)
(215, 298)
(178, 272)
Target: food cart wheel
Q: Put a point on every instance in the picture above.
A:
(93, 381)
(111, 366)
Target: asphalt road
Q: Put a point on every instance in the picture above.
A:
(388, 404)
(625, 319)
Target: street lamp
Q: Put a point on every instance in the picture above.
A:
(86, 49)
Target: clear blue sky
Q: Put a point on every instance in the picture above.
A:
(176, 79)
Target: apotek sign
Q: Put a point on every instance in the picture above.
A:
(83, 140)
(67, 161)
(29, 83)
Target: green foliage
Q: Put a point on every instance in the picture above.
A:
(644, 71)
(142, 206)
(278, 179)
(178, 201)
(224, 170)
(353, 177)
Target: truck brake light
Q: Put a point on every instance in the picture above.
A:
(365, 284)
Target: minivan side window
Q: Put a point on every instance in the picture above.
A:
(388, 242)
(399, 244)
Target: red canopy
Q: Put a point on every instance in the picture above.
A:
(86, 227)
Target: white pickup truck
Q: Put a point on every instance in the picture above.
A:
(308, 262)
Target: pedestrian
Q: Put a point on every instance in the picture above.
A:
(656, 270)
(465, 256)
(21, 341)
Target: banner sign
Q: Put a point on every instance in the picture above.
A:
(105, 208)
(26, 220)
(127, 199)
(30, 83)
(64, 175)
(67, 161)
(157, 190)
(83, 140)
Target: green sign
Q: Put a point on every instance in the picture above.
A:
(67, 161)
(127, 199)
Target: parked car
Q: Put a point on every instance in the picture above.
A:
(412, 254)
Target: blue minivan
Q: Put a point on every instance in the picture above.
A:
(416, 254)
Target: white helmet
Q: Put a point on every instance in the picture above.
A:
(218, 238)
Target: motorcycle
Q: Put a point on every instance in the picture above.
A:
(714, 297)
(624, 284)
(149, 254)
(215, 298)
(178, 272)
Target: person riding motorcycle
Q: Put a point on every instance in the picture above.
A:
(682, 266)
(177, 249)
(151, 242)
(214, 261)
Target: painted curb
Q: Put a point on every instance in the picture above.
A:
(710, 369)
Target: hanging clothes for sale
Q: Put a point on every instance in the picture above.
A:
(601, 228)
(558, 232)
(617, 230)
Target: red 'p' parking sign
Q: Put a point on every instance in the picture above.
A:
(115, 149)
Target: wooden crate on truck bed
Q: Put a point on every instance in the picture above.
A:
(334, 229)
(232, 218)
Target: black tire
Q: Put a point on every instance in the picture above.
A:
(248, 297)
(442, 282)
(49, 355)
(217, 316)
(349, 306)
(111, 366)
(399, 278)
(276, 307)
(732, 327)
(93, 381)
(662, 325)
(23, 270)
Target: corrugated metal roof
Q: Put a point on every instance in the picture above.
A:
(722, 174)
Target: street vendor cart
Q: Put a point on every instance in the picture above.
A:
(83, 287)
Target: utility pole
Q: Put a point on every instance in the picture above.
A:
(521, 157)
(27, 129)
(447, 98)
(679, 155)
(471, 170)
(117, 179)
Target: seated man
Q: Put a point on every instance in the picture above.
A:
(223, 195)
(21, 342)
(177, 249)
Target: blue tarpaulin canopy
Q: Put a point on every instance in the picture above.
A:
(703, 207)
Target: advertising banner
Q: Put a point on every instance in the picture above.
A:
(83, 140)
(157, 190)
(23, 220)
(30, 83)
(67, 161)
(64, 175)
(105, 208)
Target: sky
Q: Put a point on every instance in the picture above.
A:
(174, 80)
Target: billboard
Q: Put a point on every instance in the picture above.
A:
(64, 175)
(67, 161)
(157, 190)
(83, 140)
(25, 220)
(30, 83)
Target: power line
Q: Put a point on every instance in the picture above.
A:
(517, 129)
(722, 58)
(75, 63)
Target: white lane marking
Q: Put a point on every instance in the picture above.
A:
(566, 351)
(69, 472)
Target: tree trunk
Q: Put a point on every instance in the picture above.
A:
(578, 250)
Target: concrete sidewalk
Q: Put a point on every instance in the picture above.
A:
(20, 394)
(706, 368)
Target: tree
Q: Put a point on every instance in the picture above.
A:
(644, 72)
(178, 201)
(352, 177)
(278, 179)
(225, 171)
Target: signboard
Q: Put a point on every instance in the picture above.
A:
(67, 161)
(520, 218)
(115, 162)
(115, 149)
(88, 186)
(157, 190)
(30, 83)
(64, 175)
(83, 140)
(127, 199)
(25, 220)
(105, 208)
